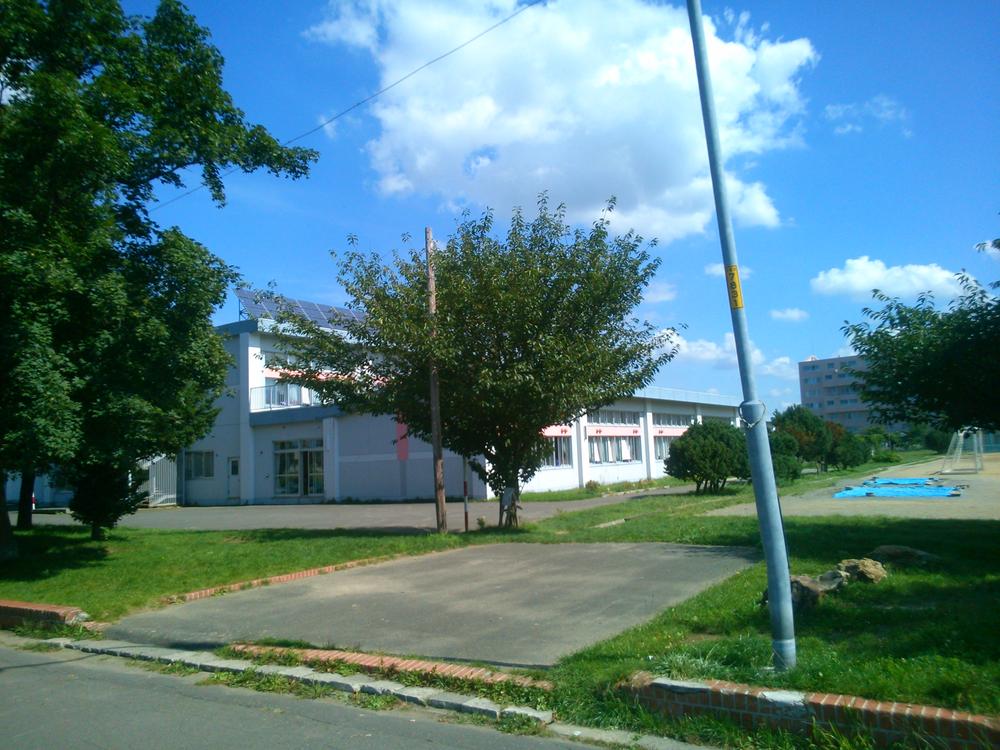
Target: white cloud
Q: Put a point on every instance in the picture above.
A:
(585, 99)
(860, 276)
(781, 367)
(717, 269)
(880, 109)
(790, 314)
(723, 356)
(659, 291)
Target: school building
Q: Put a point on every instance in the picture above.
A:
(275, 442)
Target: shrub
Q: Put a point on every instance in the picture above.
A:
(709, 454)
(886, 457)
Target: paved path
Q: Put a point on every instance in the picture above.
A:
(514, 604)
(352, 516)
(981, 500)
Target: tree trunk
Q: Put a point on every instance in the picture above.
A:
(24, 499)
(96, 532)
(8, 544)
(508, 507)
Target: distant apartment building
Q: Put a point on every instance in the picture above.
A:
(827, 388)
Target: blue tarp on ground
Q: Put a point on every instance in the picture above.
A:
(871, 491)
(905, 480)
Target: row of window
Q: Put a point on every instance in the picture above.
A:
(605, 450)
(673, 420)
(620, 416)
(830, 365)
(298, 464)
(614, 416)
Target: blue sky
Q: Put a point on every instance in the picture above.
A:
(861, 143)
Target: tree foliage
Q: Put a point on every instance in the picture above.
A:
(846, 449)
(932, 365)
(708, 454)
(531, 330)
(784, 459)
(97, 109)
(811, 434)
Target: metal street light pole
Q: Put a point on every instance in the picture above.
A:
(752, 411)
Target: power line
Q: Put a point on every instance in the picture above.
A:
(369, 98)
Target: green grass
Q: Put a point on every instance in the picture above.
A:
(134, 568)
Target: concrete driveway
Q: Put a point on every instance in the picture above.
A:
(512, 604)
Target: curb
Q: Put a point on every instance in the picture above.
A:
(378, 663)
(208, 662)
(269, 580)
(887, 722)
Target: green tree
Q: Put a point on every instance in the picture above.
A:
(787, 465)
(154, 369)
(846, 449)
(531, 331)
(810, 432)
(96, 110)
(932, 365)
(937, 440)
(709, 454)
(877, 438)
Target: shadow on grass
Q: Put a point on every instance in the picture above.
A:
(46, 552)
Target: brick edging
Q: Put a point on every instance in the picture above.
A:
(381, 663)
(13, 613)
(886, 722)
(269, 580)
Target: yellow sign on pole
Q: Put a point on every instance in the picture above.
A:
(733, 283)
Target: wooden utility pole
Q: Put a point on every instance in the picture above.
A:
(439, 501)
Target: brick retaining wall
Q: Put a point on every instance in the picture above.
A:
(885, 721)
(14, 613)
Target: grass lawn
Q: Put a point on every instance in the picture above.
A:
(135, 567)
(597, 490)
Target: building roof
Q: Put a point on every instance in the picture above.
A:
(258, 306)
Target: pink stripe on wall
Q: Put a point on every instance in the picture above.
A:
(617, 430)
(669, 431)
(559, 430)
(402, 442)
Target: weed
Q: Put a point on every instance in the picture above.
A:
(177, 668)
(519, 724)
(375, 702)
(55, 630)
(40, 646)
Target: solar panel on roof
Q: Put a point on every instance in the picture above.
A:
(261, 306)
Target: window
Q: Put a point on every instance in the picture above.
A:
(199, 465)
(614, 416)
(661, 447)
(560, 452)
(673, 420)
(298, 467)
(615, 450)
(281, 394)
(272, 359)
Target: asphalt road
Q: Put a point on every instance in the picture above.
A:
(513, 604)
(68, 699)
(348, 516)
